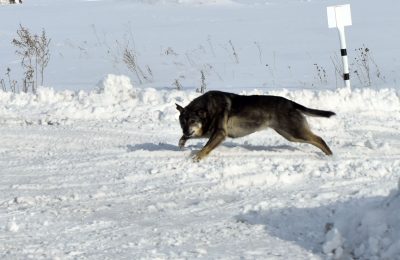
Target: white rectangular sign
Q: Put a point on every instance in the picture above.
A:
(339, 16)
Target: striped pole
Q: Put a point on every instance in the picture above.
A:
(343, 53)
(339, 16)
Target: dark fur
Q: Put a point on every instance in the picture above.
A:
(216, 115)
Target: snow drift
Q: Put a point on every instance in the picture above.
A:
(369, 231)
(117, 99)
(354, 229)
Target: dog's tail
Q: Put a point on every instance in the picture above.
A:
(313, 112)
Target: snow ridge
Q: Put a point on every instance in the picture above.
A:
(117, 99)
(372, 232)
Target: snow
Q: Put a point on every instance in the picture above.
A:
(90, 167)
(371, 232)
(99, 174)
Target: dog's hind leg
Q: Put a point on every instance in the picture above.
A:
(296, 129)
(306, 137)
(318, 142)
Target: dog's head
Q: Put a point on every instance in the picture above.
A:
(192, 121)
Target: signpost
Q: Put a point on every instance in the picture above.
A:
(339, 16)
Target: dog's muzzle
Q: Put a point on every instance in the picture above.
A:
(189, 135)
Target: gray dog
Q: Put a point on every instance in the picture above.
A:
(216, 115)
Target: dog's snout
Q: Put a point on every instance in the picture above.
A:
(188, 133)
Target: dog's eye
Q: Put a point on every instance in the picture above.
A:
(192, 121)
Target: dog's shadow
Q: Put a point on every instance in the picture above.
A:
(261, 148)
(152, 147)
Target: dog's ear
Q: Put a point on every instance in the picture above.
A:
(180, 109)
(202, 114)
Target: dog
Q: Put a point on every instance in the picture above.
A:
(217, 115)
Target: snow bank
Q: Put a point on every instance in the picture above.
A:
(344, 100)
(117, 99)
(114, 99)
(370, 233)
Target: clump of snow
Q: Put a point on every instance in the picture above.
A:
(116, 89)
(370, 233)
(12, 226)
(333, 244)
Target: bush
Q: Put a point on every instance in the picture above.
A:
(35, 54)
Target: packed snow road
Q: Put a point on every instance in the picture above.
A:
(122, 189)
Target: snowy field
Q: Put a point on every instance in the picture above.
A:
(90, 167)
(277, 43)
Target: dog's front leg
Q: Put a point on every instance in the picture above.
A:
(216, 139)
(182, 141)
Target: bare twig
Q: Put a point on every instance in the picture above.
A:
(235, 55)
(12, 83)
(203, 86)
(321, 74)
(131, 62)
(3, 85)
(338, 68)
(43, 53)
(259, 51)
(177, 84)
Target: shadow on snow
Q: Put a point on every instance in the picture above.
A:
(306, 227)
(152, 147)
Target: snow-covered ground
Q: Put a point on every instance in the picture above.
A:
(99, 175)
(277, 43)
(90, 168)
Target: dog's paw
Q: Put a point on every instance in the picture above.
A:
(196, 159)
(199, 156)
(182, 143)
(181, 146)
